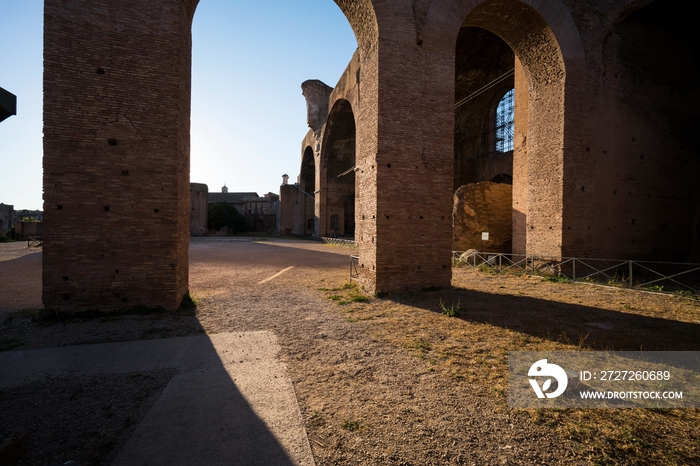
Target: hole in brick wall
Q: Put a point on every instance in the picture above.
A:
(100, 70)
(634, 220)
(641, 157)
(116, 271)
(124, 300)
(65, 279)
(125, 172)
(615, 192)
(112, 142)
(386, 216)
(421, 217)
(66, 297)
(156, 210)
(588, 149)
(388, 165)
(59, 207)
(583, 189)
(106, 208)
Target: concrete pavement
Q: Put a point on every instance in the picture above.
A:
(230, 403)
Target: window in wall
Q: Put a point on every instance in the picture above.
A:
(504, 123)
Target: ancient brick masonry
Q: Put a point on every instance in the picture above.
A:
(605, 159)
(116, 154)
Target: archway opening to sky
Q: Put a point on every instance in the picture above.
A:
(248, 62)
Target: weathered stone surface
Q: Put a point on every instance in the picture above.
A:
(483, 207)
(199, 209)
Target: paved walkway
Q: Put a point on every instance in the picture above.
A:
(231, 401)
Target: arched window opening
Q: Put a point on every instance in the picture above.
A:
(504, 122)
(338, 171)
(484, 128)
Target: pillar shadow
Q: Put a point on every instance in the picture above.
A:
(589, 327)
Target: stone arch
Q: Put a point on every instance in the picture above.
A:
(538, 155)
(307, 195)
(483, 74)
(337, 168)
(131, 134)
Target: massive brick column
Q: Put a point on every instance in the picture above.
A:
(116, 153)
(405, 163)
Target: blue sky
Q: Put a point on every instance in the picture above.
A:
(248, 115)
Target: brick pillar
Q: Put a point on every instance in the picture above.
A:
(406, 170)
(116, 153)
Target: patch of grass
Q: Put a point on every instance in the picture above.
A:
(452, 311)
(654, 288)
(346, 294)
(7, 343)
(188, 304)
(557, 279)
(488, 268)
(351, 425)
(474, 352)
(31, 314)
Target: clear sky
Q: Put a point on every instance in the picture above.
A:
(248, 115)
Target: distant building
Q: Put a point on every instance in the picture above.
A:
(259, 211)
(29, 215)
(7, 217)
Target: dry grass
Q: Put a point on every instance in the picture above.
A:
(501, 313)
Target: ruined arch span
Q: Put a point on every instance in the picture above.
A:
(116, 142)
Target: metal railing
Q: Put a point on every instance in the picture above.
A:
(679, 277)
(339, 241)
(33, 241)
(354, 262)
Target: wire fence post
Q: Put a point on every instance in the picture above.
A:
(631, 276)
(574, 269)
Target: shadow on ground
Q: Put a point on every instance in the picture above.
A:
(584, 326)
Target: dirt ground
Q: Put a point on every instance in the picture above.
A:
(379, 380)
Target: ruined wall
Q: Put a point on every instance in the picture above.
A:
(636, 190)
(288, 209)
(26, 230)
(593, 96)
(199, 209)
(482, 207)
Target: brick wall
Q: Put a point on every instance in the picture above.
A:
(116, 154)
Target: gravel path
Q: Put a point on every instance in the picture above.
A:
(364, 401)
